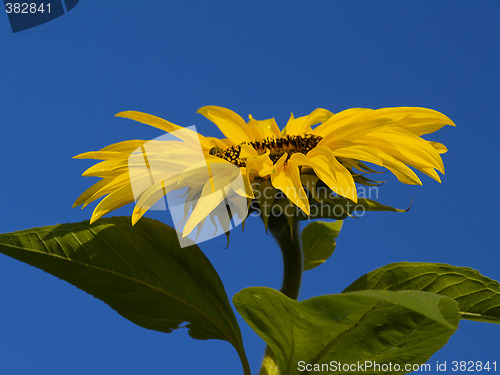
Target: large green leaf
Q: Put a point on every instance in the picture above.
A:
(318, 242)
(378, 326)
(139, 271)
(478, 296)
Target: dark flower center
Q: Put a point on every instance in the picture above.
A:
(276, 146)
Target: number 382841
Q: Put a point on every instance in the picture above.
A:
(27, 8)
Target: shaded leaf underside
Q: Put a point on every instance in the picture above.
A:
(361, 326)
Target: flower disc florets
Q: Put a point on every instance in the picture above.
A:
(276, 146)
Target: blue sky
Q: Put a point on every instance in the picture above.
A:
(62, 83)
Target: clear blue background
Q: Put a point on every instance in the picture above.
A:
(62, 83)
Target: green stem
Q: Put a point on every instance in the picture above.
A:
(244, 362)
(289, 242)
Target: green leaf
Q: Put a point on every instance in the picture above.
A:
(478, 296)
(139, 271)
(379, 326)
(318, 242)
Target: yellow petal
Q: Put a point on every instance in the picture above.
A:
(286, 178)
(151, 120)
(222, 143)
(224, 175)
(290, 120)
(440, 148)
(90, 191)
(247, 151)
(431, 173)
(248, 184)
(125, 146)
(117, 199)
(358, 152)
(418, 120)
(404, 146)
(150, 196)
(301, 125)
(263, 128)
(320, 167)
(398, 168)
(352, 122)
(329, 170)
(419, 126)
(341, 119)
(261, 165)
(110, 186)
(100, 155)
(230, 123)
(106, 168)
(164, 125)
(204, 206)
(398, 113)
(212, 168)
(349, 132)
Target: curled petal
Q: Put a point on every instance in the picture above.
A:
(440, 148)
(287, 179)
(329, 170)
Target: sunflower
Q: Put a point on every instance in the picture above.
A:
(332, 147)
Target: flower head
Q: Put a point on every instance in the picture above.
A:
(331, 147)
